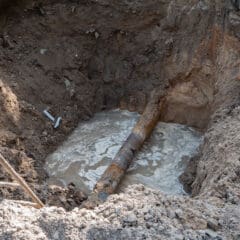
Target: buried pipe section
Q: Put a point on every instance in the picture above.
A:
(112, 176)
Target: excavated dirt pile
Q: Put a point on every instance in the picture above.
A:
(79, 57)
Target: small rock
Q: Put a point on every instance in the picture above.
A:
(56, 235)
(147, 217)
(179, 213)
(171, 214)
(67, 83)
(178, 237)
(71, 186)
(147, 192)
(148, 225)
(96, 34)
(14, 84)
(213, 224)
(212, 234)
(130, 220)
(145, 210)
(70, 201)
(79, 197)
(236, 236)
(6, 43)
(130, 207)
(41, 11)
(44, 133)
(43, 51)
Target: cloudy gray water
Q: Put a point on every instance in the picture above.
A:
(85, 155)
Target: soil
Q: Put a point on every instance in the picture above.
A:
(79, 57)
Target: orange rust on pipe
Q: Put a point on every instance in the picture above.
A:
(114, 173)
(112, 176)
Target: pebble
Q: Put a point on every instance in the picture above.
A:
(43, 51)
(130, 220)
(170, 214)
(148, 225)
(147, 217)
(145, 210)
(96, 34)
(44, 133)
(56, 235)
(179, 213)
(212, 224)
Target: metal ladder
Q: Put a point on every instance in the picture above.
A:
(19, 182)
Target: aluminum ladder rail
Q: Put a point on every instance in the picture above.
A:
(19, 182)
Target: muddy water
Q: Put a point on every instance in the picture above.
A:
(87, 152)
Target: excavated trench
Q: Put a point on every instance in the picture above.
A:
(167, 157)
(82, 59)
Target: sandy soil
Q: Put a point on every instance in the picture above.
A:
(80, 57)
(138, 213)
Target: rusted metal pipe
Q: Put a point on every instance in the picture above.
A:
(111, 178)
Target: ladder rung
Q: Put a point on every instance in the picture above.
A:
(9, 184)
(25, 203)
